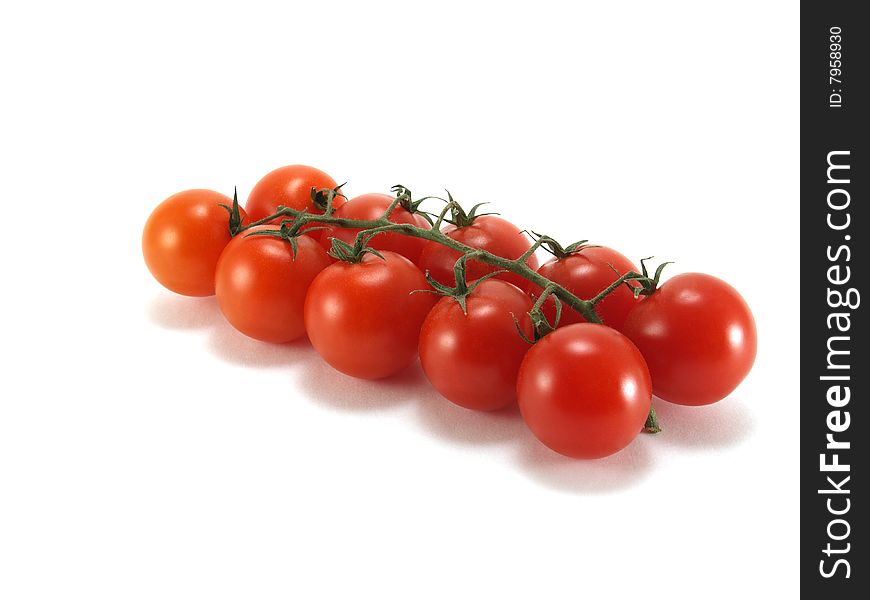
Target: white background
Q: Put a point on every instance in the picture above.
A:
(149, 451)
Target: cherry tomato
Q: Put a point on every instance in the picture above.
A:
(183, 239)
(372, 206)
(584, 390)
(362, 317)
(698, 336)
(261, 287)
(585, 273)
(489, 233)
(288, 186)
(472, 357)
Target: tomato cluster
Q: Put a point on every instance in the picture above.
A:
(369, 303)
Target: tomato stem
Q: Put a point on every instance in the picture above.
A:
(371, 227)
(382, 224)
(622, 280)
(539, 320)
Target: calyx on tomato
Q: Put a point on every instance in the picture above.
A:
(556, 249)
(289, 231)
(648, 284)
(406, 201)
(235, 222)
(462, 289)
(322, 198)
(459, 217)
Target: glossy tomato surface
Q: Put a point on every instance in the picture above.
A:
(584, 390)
(363, 319)
(698, 337)
(261, 286)
(585, 273)
(472, 358)
(183, 239)
(370, 207)
(489, 233)
(288, 186)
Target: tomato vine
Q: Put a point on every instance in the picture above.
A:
(371, 227)
(295, 220)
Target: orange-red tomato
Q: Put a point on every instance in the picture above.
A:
(362, 317)
(698, 337)
(372, 206)
(584, 390)
(472, 358)
(183, 239)
(288, 186)
(489, 233)
(585, 273)
(261, 286)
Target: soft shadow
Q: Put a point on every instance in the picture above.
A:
(622, 470)
(461, 425)
(234, 347)
(171, 311)
(336, 390)
(718, 425)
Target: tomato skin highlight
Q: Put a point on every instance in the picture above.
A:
(586, 273)
(698, 336)
(363, 319)
(261, 288)
(372, 206)
(584, 390)
(473, 359)
(489, 233)
(288, 186)
(183, 239)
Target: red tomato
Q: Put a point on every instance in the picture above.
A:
(584, 390)
(472, 358)
(183, 239)
(261, 287)
(288, 186)
(698, 336)
(372, 206)
(489, 233)
(584, 274)
(362, 317)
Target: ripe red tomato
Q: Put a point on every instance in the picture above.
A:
(362, 317)
(472, 357)
(584, 390)
(288, 186)
(372, 206)
(489, 233)
(698, 337)
(183, 239)
(261, 287)
(585, 273)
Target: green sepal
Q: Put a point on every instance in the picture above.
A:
(555, 248)
(352, 253)
(520, 331)
(406, 201)
(539, 320)
(461, 288)
(289, 231)
(323, 198)
(649, 285)
(459, 217)
(235, 222)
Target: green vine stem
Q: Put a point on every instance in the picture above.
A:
(382, 225)
(372, 227)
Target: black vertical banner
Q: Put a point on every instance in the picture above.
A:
(835, 366)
